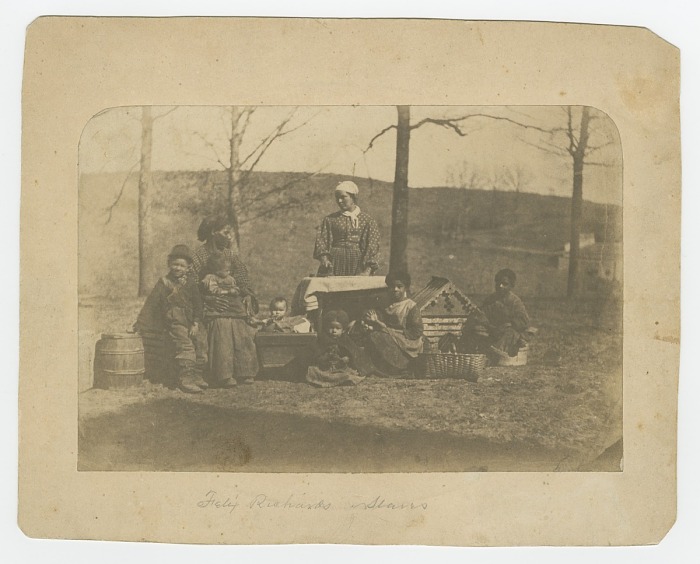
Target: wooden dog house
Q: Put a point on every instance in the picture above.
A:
(444, 308)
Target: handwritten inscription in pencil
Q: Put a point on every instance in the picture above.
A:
(231, 503)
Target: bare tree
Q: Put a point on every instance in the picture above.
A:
(145, 236)
(237, 168)
(577, 149)
(570, 140)
(574, 140)
(399, 227)
(517, 178)
(455, 220)
(398, 260)
(241, 203)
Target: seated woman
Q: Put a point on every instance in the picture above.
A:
(393, 335)
(502, 325)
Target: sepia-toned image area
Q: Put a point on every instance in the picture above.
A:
(350, 289)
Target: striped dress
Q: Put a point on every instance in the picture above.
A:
(350, 249)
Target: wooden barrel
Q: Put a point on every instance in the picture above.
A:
(119, 361)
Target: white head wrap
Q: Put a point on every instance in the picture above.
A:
(350, 188)
(347, 186)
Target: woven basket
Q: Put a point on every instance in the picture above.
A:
(452, 365)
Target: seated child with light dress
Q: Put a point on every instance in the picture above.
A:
(279, 322)
(335, 360)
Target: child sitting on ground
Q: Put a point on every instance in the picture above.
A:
(336, 356)
(174, 307)
(279, 322)
(502, 326)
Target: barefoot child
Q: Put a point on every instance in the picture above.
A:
(174, 307)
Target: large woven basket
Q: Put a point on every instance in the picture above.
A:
(452, 365)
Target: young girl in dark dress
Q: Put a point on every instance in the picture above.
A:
(337, 358)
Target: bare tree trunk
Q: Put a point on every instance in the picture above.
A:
(494, 205)
(234, 176)
(578, 156)
(144, 226)
(398, 261)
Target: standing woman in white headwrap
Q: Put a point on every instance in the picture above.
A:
(348, 242)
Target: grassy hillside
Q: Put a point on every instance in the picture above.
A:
(466, 235)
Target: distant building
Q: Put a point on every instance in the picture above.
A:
(599, 261)
(585, 240)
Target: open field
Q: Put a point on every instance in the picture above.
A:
(278, 250)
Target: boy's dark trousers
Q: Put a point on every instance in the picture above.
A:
(188, 379)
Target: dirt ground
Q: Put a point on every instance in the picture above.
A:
(561, 412)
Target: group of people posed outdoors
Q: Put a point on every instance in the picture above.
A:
(207, 310)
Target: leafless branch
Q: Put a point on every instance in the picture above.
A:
(518, 111)
(211, 146)
(225, 122)
(247, 113)
(446, 123)
(606, 165)
(289, 204)
(277, 189)
(455, 124)
(377, 136)
(277, 133)
(452, 123)
(547, 147)
(573, 142)
(369, 175)
(593, 148)
(265, 143)
(110, 209)
(200, 156)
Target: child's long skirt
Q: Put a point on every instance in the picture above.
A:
(232, 351)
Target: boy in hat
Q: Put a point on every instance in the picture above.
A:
(174, 307)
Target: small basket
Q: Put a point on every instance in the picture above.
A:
(452, 365)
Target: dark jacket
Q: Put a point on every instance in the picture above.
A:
(167, 295)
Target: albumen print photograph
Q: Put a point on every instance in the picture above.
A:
(350, 289)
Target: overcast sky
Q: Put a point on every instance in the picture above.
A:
(334, 139)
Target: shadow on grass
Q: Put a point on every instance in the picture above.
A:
(178, 435)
